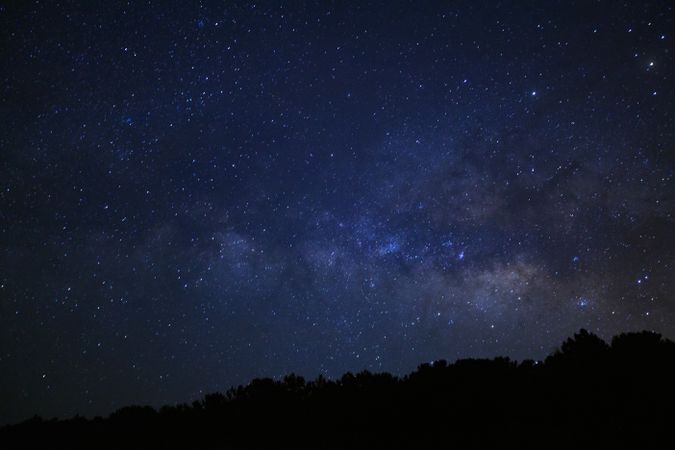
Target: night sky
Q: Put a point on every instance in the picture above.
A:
(194, 194)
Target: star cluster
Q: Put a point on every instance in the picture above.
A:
(193, 195)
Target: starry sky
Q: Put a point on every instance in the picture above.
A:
(193, 194)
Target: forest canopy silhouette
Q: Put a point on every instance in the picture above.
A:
(587, 394)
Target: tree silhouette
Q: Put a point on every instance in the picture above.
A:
(587, 394)
(581, 349)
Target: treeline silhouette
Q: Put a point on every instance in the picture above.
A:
(586, 395)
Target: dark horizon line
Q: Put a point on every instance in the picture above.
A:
(557, 352)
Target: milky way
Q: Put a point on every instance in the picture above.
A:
(193, 195)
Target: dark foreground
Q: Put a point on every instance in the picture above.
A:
(588, 395)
